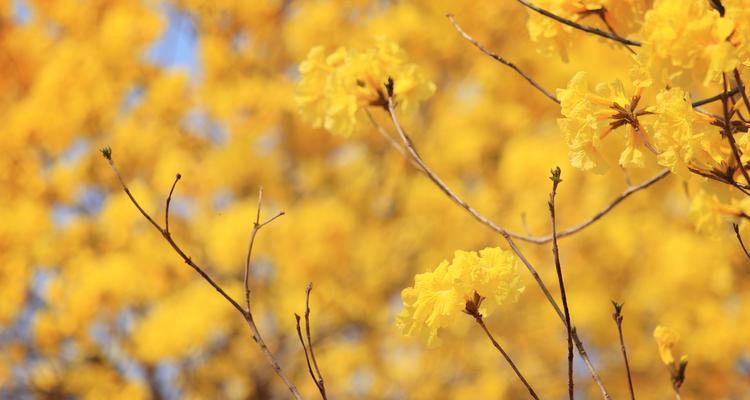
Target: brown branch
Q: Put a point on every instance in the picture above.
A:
(317, 379)
(247, 315)
(485, 221)
(729, 130)
(548, 238)
(739, 239)
(502, 60)
(256, 227)
(472, 309)
(612, 204)
(169, 200)
(617, 316)
(741, 88)
(585, 28)
(555, 177)
(715, 98)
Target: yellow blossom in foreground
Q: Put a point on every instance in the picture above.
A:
(335, 87)
(687, 39)
(666, 338)
(438, 296)
(590, 115)
(685, 138)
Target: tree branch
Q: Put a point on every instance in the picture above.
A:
(472, 309)
(617, 316)
(502, 60)
(585, 28)
(739, 239)
(256, 227)
(317, 379)
(612, 204)
(555, 177)
(485, 221)
(247, 315)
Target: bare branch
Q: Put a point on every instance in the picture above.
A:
(585, 28)
(316, 376)
(741, 88)
(472, 309)
(555, 177)
(247, 315)
(169, 200)
(729, 130)
(256, 227)
(612, 204)
(715, 98)
(502, 60)
(485, 221)
(617, 316)
(541, 239)
(739, 239)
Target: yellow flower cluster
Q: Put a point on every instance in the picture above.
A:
(336, 86)
(685, 40)
(438, 296)
(678, 136)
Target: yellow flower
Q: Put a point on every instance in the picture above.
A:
(438, 296)
(687, 39)
(590, 115)
(334, 88)
(666, 338)
(685, 138)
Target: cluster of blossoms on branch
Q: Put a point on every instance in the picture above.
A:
(438, 296)
(336, 87)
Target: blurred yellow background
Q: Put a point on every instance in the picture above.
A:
(94, 304)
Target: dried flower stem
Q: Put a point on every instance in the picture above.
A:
(617, 316)
(585, 28)
(317, 379)
(502, 60)
(556, 253)
(246, 314)
(485, 221)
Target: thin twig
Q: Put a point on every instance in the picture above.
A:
(739, 239)
(169, 200)
(548, 238)
(247, 315)
(483, 220)
(585, 28)
(729, 131)
(617, 316)
(555, 177)
(612, 204)
(502, 60)
(309, 338)
(480, 321)
(256, 227)
(317, 379)
(715, 98)
(741, 88)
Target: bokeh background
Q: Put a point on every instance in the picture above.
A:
(94, 304)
